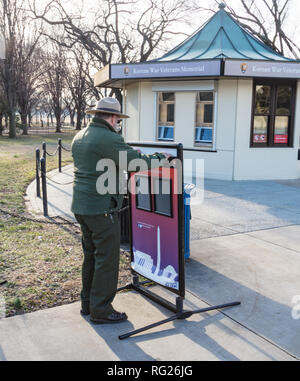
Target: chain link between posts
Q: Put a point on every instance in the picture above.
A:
(40, 173)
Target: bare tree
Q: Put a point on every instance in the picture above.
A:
(69, 104)
(9, 16)
(131, 31)
(94, 93)
(17, 68)
(76, 81)
(3, 107)
(43, 101)
(28, 72)
(120, 31)
(54, 82)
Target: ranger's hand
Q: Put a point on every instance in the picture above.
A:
(167, 155)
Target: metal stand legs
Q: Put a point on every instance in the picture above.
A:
(178, 309)
(180, 316)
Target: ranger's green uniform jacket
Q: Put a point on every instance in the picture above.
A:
(95, 142)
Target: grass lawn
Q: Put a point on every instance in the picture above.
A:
(41, 263)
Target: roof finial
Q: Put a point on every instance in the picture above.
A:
(222, 5)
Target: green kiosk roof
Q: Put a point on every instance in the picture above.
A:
(220, 48)
(221, 37)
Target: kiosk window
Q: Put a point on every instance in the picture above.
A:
(143, 196)
(162, 196)
(273, 114)
(204, 118)
(166, 116)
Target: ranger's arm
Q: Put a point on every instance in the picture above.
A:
(117, 145)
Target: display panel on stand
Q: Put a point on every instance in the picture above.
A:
(156, 223)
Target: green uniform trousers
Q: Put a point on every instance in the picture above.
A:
(100, 268)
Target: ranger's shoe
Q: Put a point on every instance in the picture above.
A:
(114, 317)
(85, 308)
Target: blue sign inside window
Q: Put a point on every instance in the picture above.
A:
(203, 135)
(165, 133)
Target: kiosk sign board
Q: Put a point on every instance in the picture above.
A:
(166, 69)
(264, 69)
(157, 240)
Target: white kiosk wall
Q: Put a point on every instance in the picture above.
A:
(220, 166)
(148, 110)
(141, 104)
(234, 159)
(132, 108)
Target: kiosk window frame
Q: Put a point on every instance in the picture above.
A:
(150, 209)
(205, 100)
(154, 178)
(267, 111)
(166, 103)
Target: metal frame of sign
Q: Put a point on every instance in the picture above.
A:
(179, 149)
(138, 286)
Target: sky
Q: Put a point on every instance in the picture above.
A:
(292, 26)
(294, 18)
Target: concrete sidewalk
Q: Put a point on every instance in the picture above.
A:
(59, 193)
(245, 245)
(60, 333)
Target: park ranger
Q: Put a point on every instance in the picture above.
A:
(97, 213)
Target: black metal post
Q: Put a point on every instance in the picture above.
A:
(37, 173)
(44, 186)
(124, 221)
(135, 280)
(44, 151)
(59, 154)
(179, 304)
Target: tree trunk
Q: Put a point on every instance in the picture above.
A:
(24, 123)
(12, 125)
(41, 119)
(29, 116)
(1, 126)
(58, 121)
(78, 120)
(6, 121)
(72, 115)
(58, 125)
(118, 95)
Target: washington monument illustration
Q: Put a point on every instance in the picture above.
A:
(144, 264)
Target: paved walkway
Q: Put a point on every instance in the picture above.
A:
(245, 245)
(59, 192)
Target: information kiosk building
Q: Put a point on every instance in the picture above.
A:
(227, 97)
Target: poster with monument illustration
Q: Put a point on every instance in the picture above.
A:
(155, 236)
